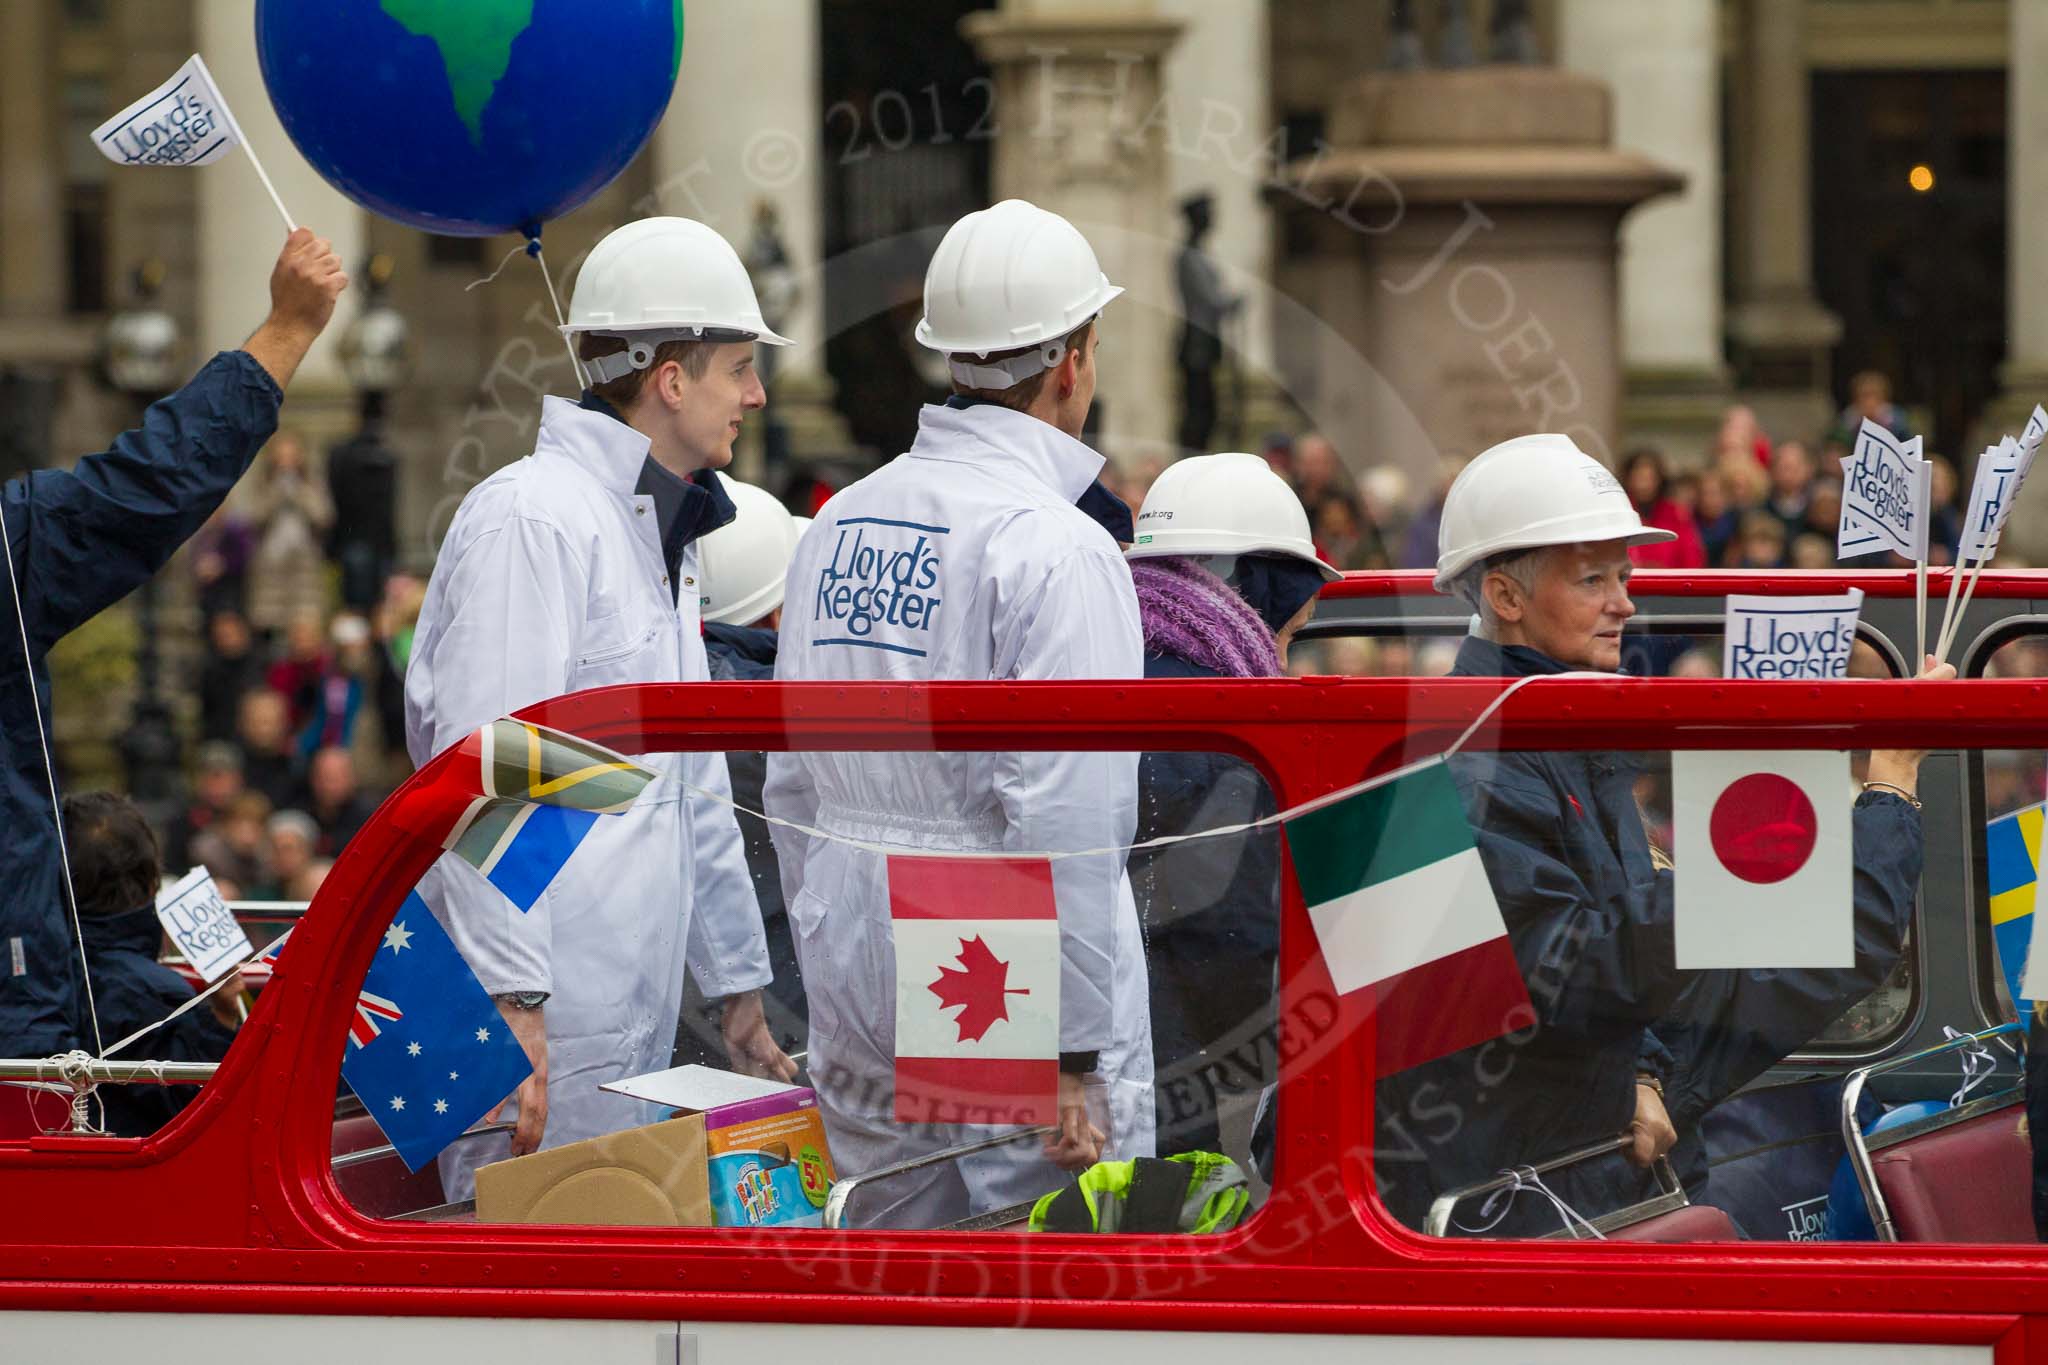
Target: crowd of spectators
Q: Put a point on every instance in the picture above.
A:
(300, 696)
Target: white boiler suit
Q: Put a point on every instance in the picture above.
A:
(552, 580)
(964, 559)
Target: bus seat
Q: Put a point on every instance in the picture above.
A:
(1693, 1223)
(1968, 1181)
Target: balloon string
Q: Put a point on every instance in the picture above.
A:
(495, 273)
(568, 343)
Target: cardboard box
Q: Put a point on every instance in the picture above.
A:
(768, 1164)
(639, 1177)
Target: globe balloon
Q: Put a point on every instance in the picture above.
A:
(469, 117)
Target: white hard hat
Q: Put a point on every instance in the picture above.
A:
(1005, 277)
(741, 565)
(1530, 492)
(662, 279)
(1229, 504)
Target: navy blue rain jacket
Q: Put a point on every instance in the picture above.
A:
(1590, 917)
(133, 991)
(79, 540)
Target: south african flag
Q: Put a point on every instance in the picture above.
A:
(538, 792)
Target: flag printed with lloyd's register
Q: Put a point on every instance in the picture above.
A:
(878, 588)
(183, 122)
(1884, 497)
(1402, 908)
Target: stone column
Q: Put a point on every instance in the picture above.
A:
(240, 231)
(1660, 61)
(1783, 334)
(32, 267)
(1218, 87)
(732, 141)
(1082, 133)
(1461, 232)
(2024, 376)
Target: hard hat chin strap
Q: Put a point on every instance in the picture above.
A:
(641, 346)
(997, 375)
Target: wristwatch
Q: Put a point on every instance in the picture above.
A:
(522, 1000)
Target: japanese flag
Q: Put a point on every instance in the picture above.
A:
(1764, 864)
(977, 989)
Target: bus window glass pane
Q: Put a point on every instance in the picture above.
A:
(915, 973)
(1640, 1073)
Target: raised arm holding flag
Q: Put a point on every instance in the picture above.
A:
(78, 540)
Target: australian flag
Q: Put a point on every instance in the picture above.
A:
(428, 1052)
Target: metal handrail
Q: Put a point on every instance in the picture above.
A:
(843, 1190)
(1438, 1221)
(1860, 1148)
(363, 1156)
(59, 1071)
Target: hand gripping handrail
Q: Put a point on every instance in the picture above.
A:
(1438, 1222)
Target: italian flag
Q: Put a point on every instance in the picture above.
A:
(1405, 916)
(977, 989)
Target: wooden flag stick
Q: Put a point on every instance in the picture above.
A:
(1919, 616)
(1949, 637)
(1955, 581)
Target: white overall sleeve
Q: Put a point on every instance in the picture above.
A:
(787, 792)
(727, 947)
(1081, 622)
(512, 607)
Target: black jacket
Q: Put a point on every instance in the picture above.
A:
(79, 540)
(1211, 915)
(134, 990)
(1590, 917)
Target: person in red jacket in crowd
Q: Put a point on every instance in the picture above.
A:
(1642, 474)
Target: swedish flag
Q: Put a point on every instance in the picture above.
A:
(2010, 842)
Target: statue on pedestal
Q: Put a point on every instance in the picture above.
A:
(1204, 308)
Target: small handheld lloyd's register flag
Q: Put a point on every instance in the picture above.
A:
(2001, 473)
(183, 122)
(1886, 489)
(977, 989)
(1406, 918)
(1790, 637)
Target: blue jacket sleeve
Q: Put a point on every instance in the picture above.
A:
(1599, 967)
(1729, 1027)
(90, 535)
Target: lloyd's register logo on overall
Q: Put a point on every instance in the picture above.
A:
(876, 590)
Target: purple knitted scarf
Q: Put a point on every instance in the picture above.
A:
(1192, 614)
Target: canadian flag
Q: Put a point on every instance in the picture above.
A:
(1765, 871)
(977, 989)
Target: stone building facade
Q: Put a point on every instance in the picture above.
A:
(1792, 124)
